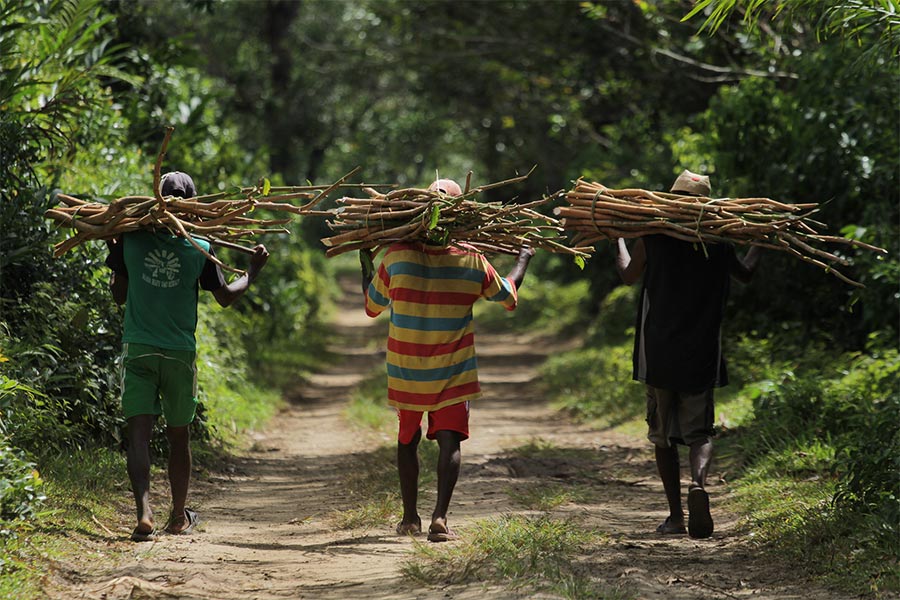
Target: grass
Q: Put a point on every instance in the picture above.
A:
(374, 484)
(89, 497)
(784, 465)
(580, 465)
(594, 384)
(380, 511)
(537, 554)
(236, 409)
(547, 497)
(368, 408)
(85, 498)
(375, 489)
(786, 502)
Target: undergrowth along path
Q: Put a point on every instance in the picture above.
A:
(268, 530)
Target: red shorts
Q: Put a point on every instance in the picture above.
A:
(450, 418)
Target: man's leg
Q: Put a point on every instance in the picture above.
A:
(408, 469)
(700, 523)
(701, 457)
(698, 411)
(179, 474)
(660, 406)
(140, 430)
(449, 460)
(669, 467)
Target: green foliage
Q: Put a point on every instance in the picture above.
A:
(20, 486)
(834, 145)
(66, 350)
(545, 304)
(368, 408)
(868, 450)
(614, 323)
(281, 314)
(596, 382)
(825, 434)
(231, 402)
(872, 25)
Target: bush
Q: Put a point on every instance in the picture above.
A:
(868, 450)
(594, 383)
(20, 485)
(831, 420)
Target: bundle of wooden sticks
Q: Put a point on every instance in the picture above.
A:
(596, 213)
(220, 219)
(414, 214)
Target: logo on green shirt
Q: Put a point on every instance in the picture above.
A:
(162, 268)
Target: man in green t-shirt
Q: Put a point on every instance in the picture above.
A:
(157, 276)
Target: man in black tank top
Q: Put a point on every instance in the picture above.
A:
(678, 353)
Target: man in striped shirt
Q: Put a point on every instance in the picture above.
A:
(431, 363)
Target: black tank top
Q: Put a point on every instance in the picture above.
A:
(677, 342)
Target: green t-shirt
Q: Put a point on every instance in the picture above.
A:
(163, 273)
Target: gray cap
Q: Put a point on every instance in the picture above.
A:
(178, 184)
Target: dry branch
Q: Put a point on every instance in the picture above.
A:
(221, 219)
(415, 214)
(597, 213)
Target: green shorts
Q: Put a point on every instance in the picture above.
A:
(159, 381)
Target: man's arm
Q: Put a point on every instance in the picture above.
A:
(630, 266)
(745, 267)
(118, 285)
(517, 274)
(230, 292)
(367, 268)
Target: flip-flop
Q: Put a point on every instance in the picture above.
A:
(141, 536)
(410, 528)
(700, 523)
(441, 536)
(192, 519)
(668, 528)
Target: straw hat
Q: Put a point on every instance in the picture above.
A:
(691, 184)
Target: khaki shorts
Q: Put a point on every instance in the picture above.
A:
(679, 417)
(159, 381)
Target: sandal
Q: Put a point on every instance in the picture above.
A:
(667, 527)
(700, 523)
(144, 536)
(191, 518)
(434, 535)
(410, 528)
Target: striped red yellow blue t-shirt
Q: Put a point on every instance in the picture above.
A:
(431, 347)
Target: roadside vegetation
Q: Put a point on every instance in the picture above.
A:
(808, 441)
(538, 554)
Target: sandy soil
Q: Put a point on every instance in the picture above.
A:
(267, 532)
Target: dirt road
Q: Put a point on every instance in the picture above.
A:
(267, 532)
